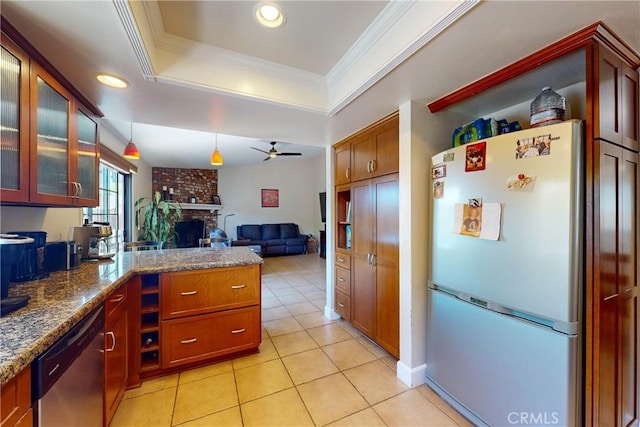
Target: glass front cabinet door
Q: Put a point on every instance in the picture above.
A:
(50, 129)
(86, 162)
(64, 154)
(14, 118)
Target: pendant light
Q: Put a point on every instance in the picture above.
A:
(216, 157)
(131, 151)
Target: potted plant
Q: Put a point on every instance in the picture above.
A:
(155, 218)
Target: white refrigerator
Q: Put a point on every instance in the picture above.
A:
(506, 293)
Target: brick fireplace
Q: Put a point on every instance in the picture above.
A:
(199, 183)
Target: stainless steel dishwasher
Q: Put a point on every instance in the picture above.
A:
(67, 379)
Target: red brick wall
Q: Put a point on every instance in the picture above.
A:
(201, 183)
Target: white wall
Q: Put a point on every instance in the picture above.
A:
(298, 180)
(56, 220)
(422, 135)
(142, 180)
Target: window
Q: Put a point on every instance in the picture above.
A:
(114, 189)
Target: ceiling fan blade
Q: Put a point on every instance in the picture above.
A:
(262, 151)
(268, 158)
(289, 154)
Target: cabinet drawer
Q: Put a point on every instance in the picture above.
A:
(343, 280)
(186, 293)
(343, 305)
(207, 336)
(117, 299)
(343, 260)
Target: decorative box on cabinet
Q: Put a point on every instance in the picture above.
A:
(116, 350)
(15, 401)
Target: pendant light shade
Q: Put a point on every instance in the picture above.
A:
(216, 157)
(131, 151)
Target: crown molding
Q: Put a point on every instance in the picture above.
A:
(368, 39)
(441, 25)
(129, 24)
(403, 26)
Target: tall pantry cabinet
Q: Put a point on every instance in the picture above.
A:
(612, 301)
(367, 242)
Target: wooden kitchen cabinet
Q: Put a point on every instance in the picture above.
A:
(342, 163)
(196, 338)
(363, 294)
(375, 258)
(366, 287)
(616, 287)
(616, 91)
(116, 350)
(343, 292)
(50, 150)
(15, 401)
(187, 293)
(58, 158)
(209, 313)
(375, 152)
(14, 151)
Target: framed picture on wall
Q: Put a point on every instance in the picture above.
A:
(270, 198)
(215, 200)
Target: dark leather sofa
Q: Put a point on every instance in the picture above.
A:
(274, 239)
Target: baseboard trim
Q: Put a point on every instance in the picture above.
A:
(413, 377)
(330, 314)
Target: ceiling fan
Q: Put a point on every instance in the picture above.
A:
(272, 153)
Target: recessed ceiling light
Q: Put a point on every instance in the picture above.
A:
(112, 81)
(269, 15)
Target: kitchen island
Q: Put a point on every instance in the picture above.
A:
(64, 298)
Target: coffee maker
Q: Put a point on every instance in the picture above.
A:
(93, 239)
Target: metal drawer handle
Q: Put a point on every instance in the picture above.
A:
(54, 369)
(238, 286)
(340, 259)
(118, 298)
(340, 279)
(189, 341)
(238, 331)
(184, 294)
(341, 304)
(113, 342)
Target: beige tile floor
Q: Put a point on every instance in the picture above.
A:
(310, 371)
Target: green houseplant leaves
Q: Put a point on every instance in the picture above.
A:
(155, 218)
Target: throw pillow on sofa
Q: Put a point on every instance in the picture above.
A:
(270, 231)
(288, 231)
(252, 232)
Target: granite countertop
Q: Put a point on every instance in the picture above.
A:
(61, 300)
